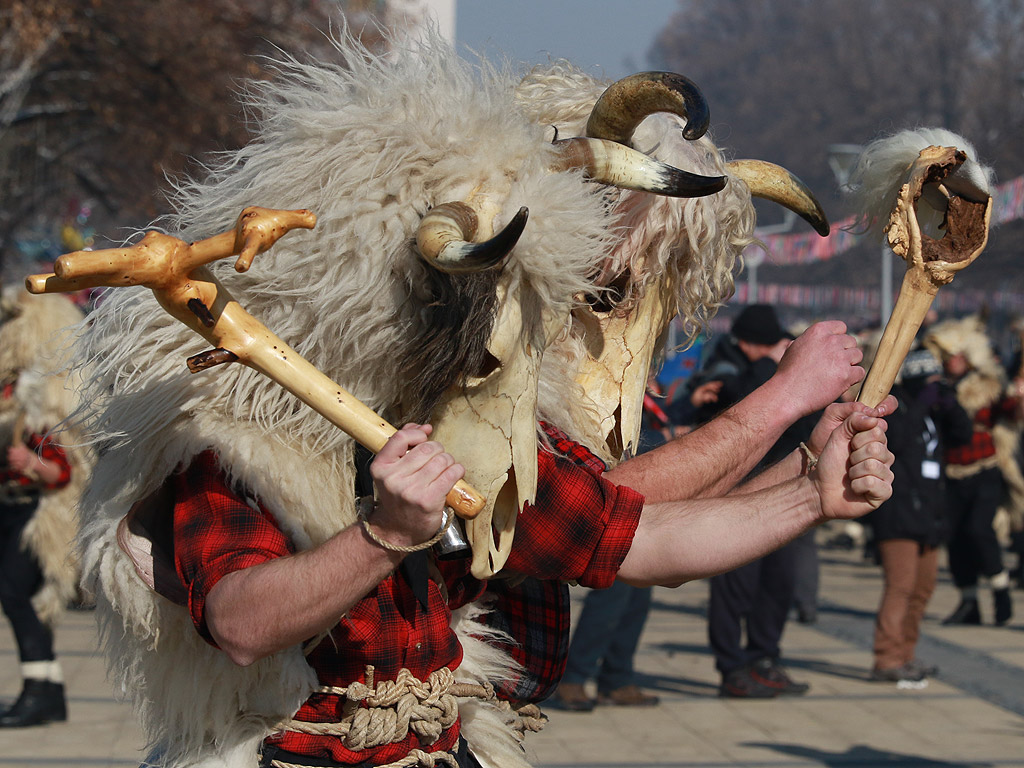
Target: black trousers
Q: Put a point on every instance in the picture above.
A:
(973, 546)
(20, 578)
(756, 596)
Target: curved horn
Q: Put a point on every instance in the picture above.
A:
(775, 183)
(625, 103)
(608, 162)
(445, 238)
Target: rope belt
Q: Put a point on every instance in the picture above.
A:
(14, 493)
(386, 712)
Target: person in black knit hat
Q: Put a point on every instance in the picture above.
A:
(758, 595)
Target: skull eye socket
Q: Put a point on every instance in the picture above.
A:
(488, 366)
(611, 297)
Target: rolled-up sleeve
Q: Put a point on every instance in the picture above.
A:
(215, 533)
(580, 527)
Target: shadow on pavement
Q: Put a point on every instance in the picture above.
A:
(861, 755)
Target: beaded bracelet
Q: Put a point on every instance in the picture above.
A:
(366, 505)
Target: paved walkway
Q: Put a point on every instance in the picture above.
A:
(971, 715)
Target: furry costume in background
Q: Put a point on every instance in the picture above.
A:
(984, 385)
(33, 334)
(370, 146)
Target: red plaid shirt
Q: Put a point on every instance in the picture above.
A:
(981, 445)
(583, 535)
(48, 451)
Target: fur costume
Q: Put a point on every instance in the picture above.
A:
(371, 146)
(983, 385)
(33, 335)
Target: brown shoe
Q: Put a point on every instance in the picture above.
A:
(627, 696)
(572, 698)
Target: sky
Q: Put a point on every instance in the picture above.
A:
(607, 38)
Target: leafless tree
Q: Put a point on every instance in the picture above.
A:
(789, 77)
(101, 100)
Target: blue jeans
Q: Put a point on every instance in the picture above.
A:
(607, 635)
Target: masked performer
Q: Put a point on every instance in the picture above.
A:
(281, 624)
(38, 572)
(975, 478)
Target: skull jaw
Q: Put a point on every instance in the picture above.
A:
(965, 218)
(490, 427)
(493, 433)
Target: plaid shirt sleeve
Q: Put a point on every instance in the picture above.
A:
(579, 529)
(982, 445)
(216, 532)
(581, 526)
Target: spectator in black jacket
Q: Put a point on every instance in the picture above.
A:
(910, 527)
(755, 597)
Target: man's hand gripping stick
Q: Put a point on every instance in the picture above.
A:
(176, 273)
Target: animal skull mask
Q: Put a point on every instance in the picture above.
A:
(620, 323)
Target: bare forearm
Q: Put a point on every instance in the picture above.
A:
(47, 471)
(257, 611)
(711, 460)
(683, 541)
(790, 466)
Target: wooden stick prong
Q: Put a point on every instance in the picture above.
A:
(210, 359)
(174, 270)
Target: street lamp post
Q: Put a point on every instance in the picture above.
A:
(841, 159)
(756, 257)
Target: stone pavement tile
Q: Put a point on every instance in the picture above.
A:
(101, 732)
(845, 719)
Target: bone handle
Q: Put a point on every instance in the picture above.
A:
(18, 435)
(916, 296)
(260, 349)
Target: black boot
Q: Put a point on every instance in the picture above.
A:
(41, 701)
(1003, 605)
(966, 613)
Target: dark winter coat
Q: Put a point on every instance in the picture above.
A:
(928, 421)
(739, 376)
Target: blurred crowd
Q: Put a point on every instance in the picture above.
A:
(958, 493)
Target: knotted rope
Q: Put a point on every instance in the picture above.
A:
(394, 708)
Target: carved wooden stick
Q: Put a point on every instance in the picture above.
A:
(175, 272)
(930, 263)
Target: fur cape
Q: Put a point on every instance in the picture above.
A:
(33, 337)
(983, 385)
(369, 144)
